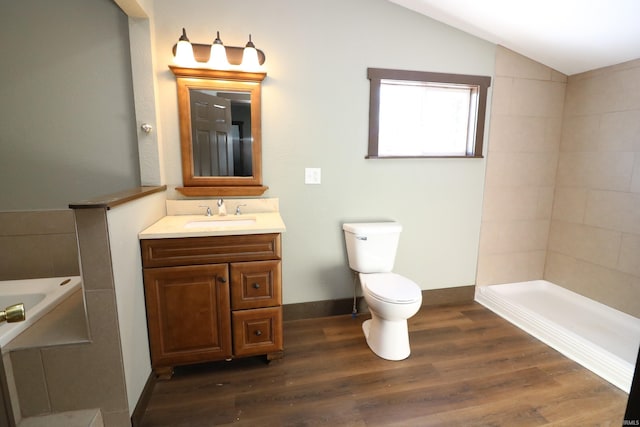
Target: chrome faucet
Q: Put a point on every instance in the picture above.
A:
(238, 212)
(209, 213)
(222, 209)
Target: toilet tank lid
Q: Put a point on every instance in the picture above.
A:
(372, 227)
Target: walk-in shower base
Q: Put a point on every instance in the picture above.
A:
(600, 338)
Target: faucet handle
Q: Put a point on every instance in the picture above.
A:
(238, 208)
(209, 213)
(222, 209)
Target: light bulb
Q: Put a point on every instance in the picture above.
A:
(250, 57)
(184, 52)
(218, 58)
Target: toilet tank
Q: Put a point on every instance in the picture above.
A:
(371, 246)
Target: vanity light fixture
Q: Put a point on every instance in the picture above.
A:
(250, 57)
(184, 51)
(217, 56)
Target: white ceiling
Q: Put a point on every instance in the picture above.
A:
(570, 36)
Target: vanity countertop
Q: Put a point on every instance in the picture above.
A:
(172, 226)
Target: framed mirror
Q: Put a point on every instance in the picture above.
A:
(220, 132)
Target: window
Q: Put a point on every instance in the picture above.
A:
(421, 114)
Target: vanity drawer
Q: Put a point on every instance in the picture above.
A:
(209, 250)
(256, 284)
(257, 331)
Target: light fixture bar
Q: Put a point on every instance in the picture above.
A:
(201, 52)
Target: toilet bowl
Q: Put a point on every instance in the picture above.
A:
(392, 298)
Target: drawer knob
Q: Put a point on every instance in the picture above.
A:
(256, 286)
(258, 332)
(222, 279)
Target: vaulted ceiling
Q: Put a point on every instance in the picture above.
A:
(570, 36)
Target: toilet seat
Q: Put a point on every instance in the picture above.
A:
(391, 287)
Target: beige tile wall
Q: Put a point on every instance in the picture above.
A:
(524, 140)
(38, 244)
(35, 244)
(72, 377)
(562, 193)
(594, 241)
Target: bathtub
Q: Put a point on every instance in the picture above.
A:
(598, 337)
(39, 296)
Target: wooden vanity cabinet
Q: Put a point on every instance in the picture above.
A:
(212, 298)
(187, 315)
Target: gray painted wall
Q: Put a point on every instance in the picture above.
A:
(315, 106)
(315, 114)
(67, 125)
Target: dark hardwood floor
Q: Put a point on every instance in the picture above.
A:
(468, 367)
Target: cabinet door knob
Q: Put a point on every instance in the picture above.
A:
(258, 332)
(256, 286)
(222, 279)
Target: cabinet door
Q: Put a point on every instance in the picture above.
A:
(188, 314)
(256, 284)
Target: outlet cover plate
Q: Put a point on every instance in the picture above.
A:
(312, 175)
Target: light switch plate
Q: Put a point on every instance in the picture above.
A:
(312, 175)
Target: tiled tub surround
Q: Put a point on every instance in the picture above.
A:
(39, 297)
(36, 244)
(40, 244)
(96, 374)
(43, 375)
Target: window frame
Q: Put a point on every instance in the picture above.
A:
(377, 75)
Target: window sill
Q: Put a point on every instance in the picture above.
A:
(424, 157)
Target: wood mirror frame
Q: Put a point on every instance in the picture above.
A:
(237, 81)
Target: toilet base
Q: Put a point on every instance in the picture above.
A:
(387, 339)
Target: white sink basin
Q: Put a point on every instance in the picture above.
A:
(220, 222)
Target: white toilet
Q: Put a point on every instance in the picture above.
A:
(392, 298)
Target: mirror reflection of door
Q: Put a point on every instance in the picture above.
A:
(211, 135)
(221, 133)
(240, 131)
(242, 144)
